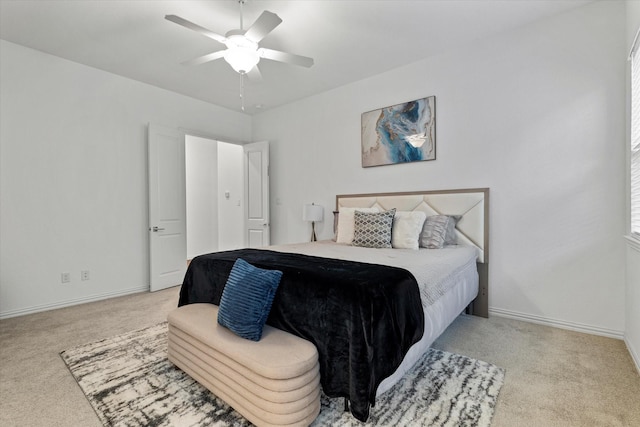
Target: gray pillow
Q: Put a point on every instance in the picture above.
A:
(438, 231)
(373, 230)
(450, 238)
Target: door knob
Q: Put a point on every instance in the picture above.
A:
(155, 229)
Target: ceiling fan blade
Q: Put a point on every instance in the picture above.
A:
(205, 58)
(254, 74)
(263, 26)
(289, 58)
(197, 28)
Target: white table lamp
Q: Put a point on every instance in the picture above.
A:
(313, 213)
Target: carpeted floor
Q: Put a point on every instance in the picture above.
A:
(129, 381)
(554, 377)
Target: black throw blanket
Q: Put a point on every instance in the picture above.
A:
(361, 317)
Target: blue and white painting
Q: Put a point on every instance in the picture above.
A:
(399, 134)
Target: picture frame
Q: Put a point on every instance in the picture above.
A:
(400, 133)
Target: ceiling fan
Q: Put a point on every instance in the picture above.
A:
(243, 51)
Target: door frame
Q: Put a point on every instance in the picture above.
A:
(184, 132)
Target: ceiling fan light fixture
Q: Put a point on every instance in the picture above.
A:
(242, 54)
(241, 59)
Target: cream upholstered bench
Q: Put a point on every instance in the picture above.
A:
(271, 382)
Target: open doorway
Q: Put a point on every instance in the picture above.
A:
(214, 195)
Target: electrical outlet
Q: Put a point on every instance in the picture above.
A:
(84, 275)
(65, 277)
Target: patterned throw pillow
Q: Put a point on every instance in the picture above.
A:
(438, 231)
(246, 299)
(346, 223)
(373, 230)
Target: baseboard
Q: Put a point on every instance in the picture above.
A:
(562, 324)
(69, 303)
(633, 353)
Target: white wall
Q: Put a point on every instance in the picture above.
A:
(201, 161)
(536, 114)
(632, 318)
(231, 210)
(73, 176)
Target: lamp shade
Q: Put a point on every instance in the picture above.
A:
(241, 59)
(312, 213)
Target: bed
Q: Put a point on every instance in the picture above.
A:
(371, 312)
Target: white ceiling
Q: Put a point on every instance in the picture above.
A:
(348, 39)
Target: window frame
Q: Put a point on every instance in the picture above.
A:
(634, 140)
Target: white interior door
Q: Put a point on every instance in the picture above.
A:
(256, 172)
(167, 207)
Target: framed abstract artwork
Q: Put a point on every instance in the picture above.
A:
(400, 133)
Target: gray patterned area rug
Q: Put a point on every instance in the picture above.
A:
(129, 382)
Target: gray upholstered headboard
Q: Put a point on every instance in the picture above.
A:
(472, 229)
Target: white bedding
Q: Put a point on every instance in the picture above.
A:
(447, 279)
(434, 269)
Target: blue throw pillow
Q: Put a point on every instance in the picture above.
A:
(246, 299)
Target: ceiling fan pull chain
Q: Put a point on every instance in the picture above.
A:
(242, 91)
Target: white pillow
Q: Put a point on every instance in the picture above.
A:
(346, 223)
(407, 227)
